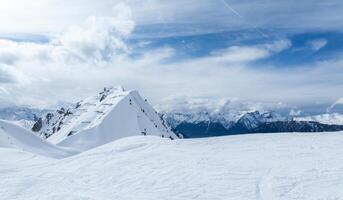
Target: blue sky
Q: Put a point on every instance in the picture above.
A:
(307, 48)
(287, 52)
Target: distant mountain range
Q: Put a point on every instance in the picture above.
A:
(190, 121)
(15, 113)
(251, 122)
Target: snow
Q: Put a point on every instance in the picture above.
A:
(263, 166)
(14, 136)
(99, 152)
(332, 118)
(27, 124)
(119, 114)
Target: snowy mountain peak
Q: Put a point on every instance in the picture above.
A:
(111, 114)
(254, 119)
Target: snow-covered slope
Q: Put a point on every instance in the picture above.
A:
(113, 114)
(333, 118)
(14, 136)
(27, 124)
(246, 167)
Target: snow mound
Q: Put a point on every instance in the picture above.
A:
(16, 137)
(113, 114)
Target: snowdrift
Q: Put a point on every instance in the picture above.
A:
(16, 137)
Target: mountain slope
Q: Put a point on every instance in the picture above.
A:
(295, 126)
(284, 166)
(112, 114)
(13, 136)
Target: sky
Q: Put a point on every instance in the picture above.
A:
(288, 52)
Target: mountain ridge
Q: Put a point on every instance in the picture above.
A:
(112, 114)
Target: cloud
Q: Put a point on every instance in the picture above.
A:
(6, 75)
(52, 16)
(287, 16)
(64, 69)
(95, 53)
(337, 103)
(61, 62)
(240, 54)
(245, 54)
(295, 113)
(317, 44)
(97, 39)
(212, 105)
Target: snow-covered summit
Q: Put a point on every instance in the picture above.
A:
(252, 120)
(112, 114)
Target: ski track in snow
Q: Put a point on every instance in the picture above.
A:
(261, 167)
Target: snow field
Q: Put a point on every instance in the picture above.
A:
(262, 166)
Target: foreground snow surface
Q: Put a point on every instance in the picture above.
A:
(264, 166)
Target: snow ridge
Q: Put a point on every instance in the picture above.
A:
(112, 114)
(16, 137)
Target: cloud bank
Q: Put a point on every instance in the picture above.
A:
(95, 53)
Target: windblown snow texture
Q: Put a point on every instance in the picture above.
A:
(285, 166)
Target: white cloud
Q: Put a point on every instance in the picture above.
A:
(240, 54)
(6, 75)
(317, 44)
(94, 54)
(99, 38)
(338, 102)
(245, 54)
(295, 112)
(51, 16)
(48, 76)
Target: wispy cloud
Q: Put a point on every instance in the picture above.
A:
(317, 44)
(51, 16)
(337, 103)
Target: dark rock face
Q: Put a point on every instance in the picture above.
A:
(51, 122)
(38, 125)
(202, 129)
